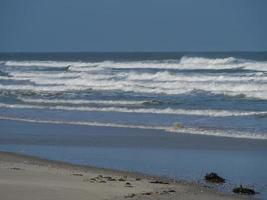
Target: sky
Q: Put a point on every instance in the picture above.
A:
(132, 25)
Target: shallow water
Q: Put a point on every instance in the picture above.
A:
(155, 152)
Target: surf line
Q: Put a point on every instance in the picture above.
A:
(173, 129)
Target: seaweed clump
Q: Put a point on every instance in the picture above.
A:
(214, 178)
(243, 190)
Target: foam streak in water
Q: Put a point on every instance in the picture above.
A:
(213, 113)
(195, 131)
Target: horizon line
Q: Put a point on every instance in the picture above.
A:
(45, 52)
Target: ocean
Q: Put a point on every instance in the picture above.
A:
(219, 94)
(179, 115)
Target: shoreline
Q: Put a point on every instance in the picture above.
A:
(19, 171)
(193, 141)
(185, 158)
(169, 130)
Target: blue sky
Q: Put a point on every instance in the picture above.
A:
(133, 25)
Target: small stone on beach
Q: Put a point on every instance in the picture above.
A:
(147, 193)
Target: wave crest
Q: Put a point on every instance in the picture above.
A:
(188, 63)
(208, 61)
(167, 111)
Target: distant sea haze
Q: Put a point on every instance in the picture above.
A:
(223, 94)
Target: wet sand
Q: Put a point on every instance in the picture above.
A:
(27, 177)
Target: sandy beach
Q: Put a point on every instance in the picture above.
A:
(26, 177)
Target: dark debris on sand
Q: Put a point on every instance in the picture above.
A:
(127, 184)
(243, 190)
(168, 191)
(77, 174)
(159, 182)
(101, 179)
(214, 178)
(15, 168)
(147, 193)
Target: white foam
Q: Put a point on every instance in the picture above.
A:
(38, 88)
(204, 61)
(219, 133)
(184, 63)
(188, 63)
(44, 74)
(252, 85)
(252, 89)
(77, 102)
(170, 77)
(134, 76)
(81, 123)
(213, 113)
(59, 64)
(195, 131)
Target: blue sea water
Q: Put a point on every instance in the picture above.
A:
(64, 95)
(222, 94)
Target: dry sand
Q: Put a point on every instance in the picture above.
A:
(26, 178)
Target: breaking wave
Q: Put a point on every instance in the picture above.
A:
(79, 102)
(187, 63)
(47, 64)
(212, 113)
(249, 89)
(204, 89)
